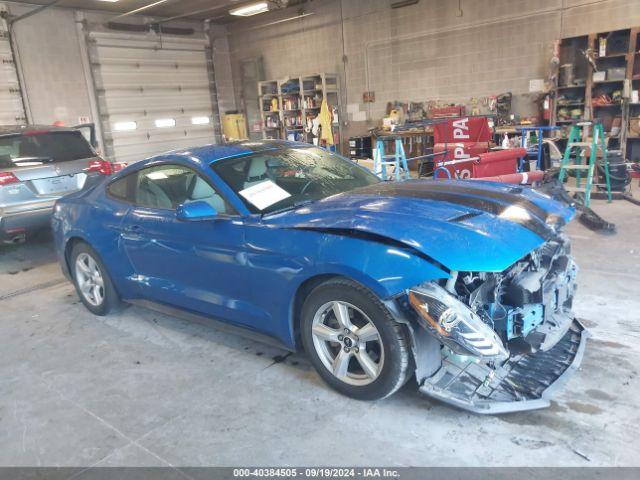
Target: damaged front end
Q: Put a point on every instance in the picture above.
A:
(498, 342)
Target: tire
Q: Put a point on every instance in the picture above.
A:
(375, 367)
(97, 303)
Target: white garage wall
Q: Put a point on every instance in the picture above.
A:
(47, 44)
(222, 66)
(153, 92)
(11, 104)
(59, 87)
(403, 48)
(431, 50)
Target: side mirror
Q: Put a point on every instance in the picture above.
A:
(195, 211)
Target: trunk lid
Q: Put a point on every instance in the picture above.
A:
(51, 179)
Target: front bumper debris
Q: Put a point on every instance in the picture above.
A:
(524, 382)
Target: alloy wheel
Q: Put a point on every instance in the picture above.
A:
(348, 343)
(90, 280)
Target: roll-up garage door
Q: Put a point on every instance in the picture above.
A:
(11, 106)
(154, 93)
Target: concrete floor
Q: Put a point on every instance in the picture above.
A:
(138, 388)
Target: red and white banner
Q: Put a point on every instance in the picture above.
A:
(464, 129)
(462, 138)
(459, 151)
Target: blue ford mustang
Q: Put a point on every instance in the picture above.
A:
(465, 285)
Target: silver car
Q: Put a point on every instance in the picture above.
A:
(38, 165)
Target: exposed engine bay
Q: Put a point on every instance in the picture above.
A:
(529, 305)
(503, 339)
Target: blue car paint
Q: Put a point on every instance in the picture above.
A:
(467, 245)
(547, 203)
(421, 224)
(94, 218)
(246, 269)
(196, 211)
(281, 260)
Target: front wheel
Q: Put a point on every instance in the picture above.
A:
(353, 341)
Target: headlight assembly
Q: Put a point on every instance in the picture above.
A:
(454, 323)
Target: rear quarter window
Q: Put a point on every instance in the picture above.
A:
(119, 189)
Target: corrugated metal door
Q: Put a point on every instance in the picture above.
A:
(154, 93)
(11, 106)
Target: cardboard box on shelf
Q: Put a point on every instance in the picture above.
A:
(599, 76)
(616, 73)
(634, 126)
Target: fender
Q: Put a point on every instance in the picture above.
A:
(104, 239)
(382, 264)
(366, 261)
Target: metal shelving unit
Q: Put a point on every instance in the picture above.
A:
(632, 141)
(270, 106)
(580, 89)
(288, 106)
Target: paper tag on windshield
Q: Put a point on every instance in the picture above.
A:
(264, 194)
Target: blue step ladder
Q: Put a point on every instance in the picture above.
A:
(398, 159)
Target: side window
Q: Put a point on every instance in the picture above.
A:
(236, 173)
(167, 186)
(119, 188)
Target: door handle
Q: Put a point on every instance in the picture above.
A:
(133, 229)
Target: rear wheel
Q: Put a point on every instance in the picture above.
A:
(92, 281)
(353, 341)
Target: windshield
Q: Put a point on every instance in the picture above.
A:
(271, 181)
(39, 148)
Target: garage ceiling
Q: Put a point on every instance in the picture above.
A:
(192, 9)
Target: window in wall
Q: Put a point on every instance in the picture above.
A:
(125, 126)
(165, 122)
(200, 120)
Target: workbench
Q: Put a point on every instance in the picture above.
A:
(416, 142)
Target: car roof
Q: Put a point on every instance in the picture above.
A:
(19, 129)
(209, 154)
(212, 153)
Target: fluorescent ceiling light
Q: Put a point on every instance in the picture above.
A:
(124, 126)
(111, 1)
(165, 122)
(252, 9)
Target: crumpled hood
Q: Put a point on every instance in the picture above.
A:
(463, 225)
